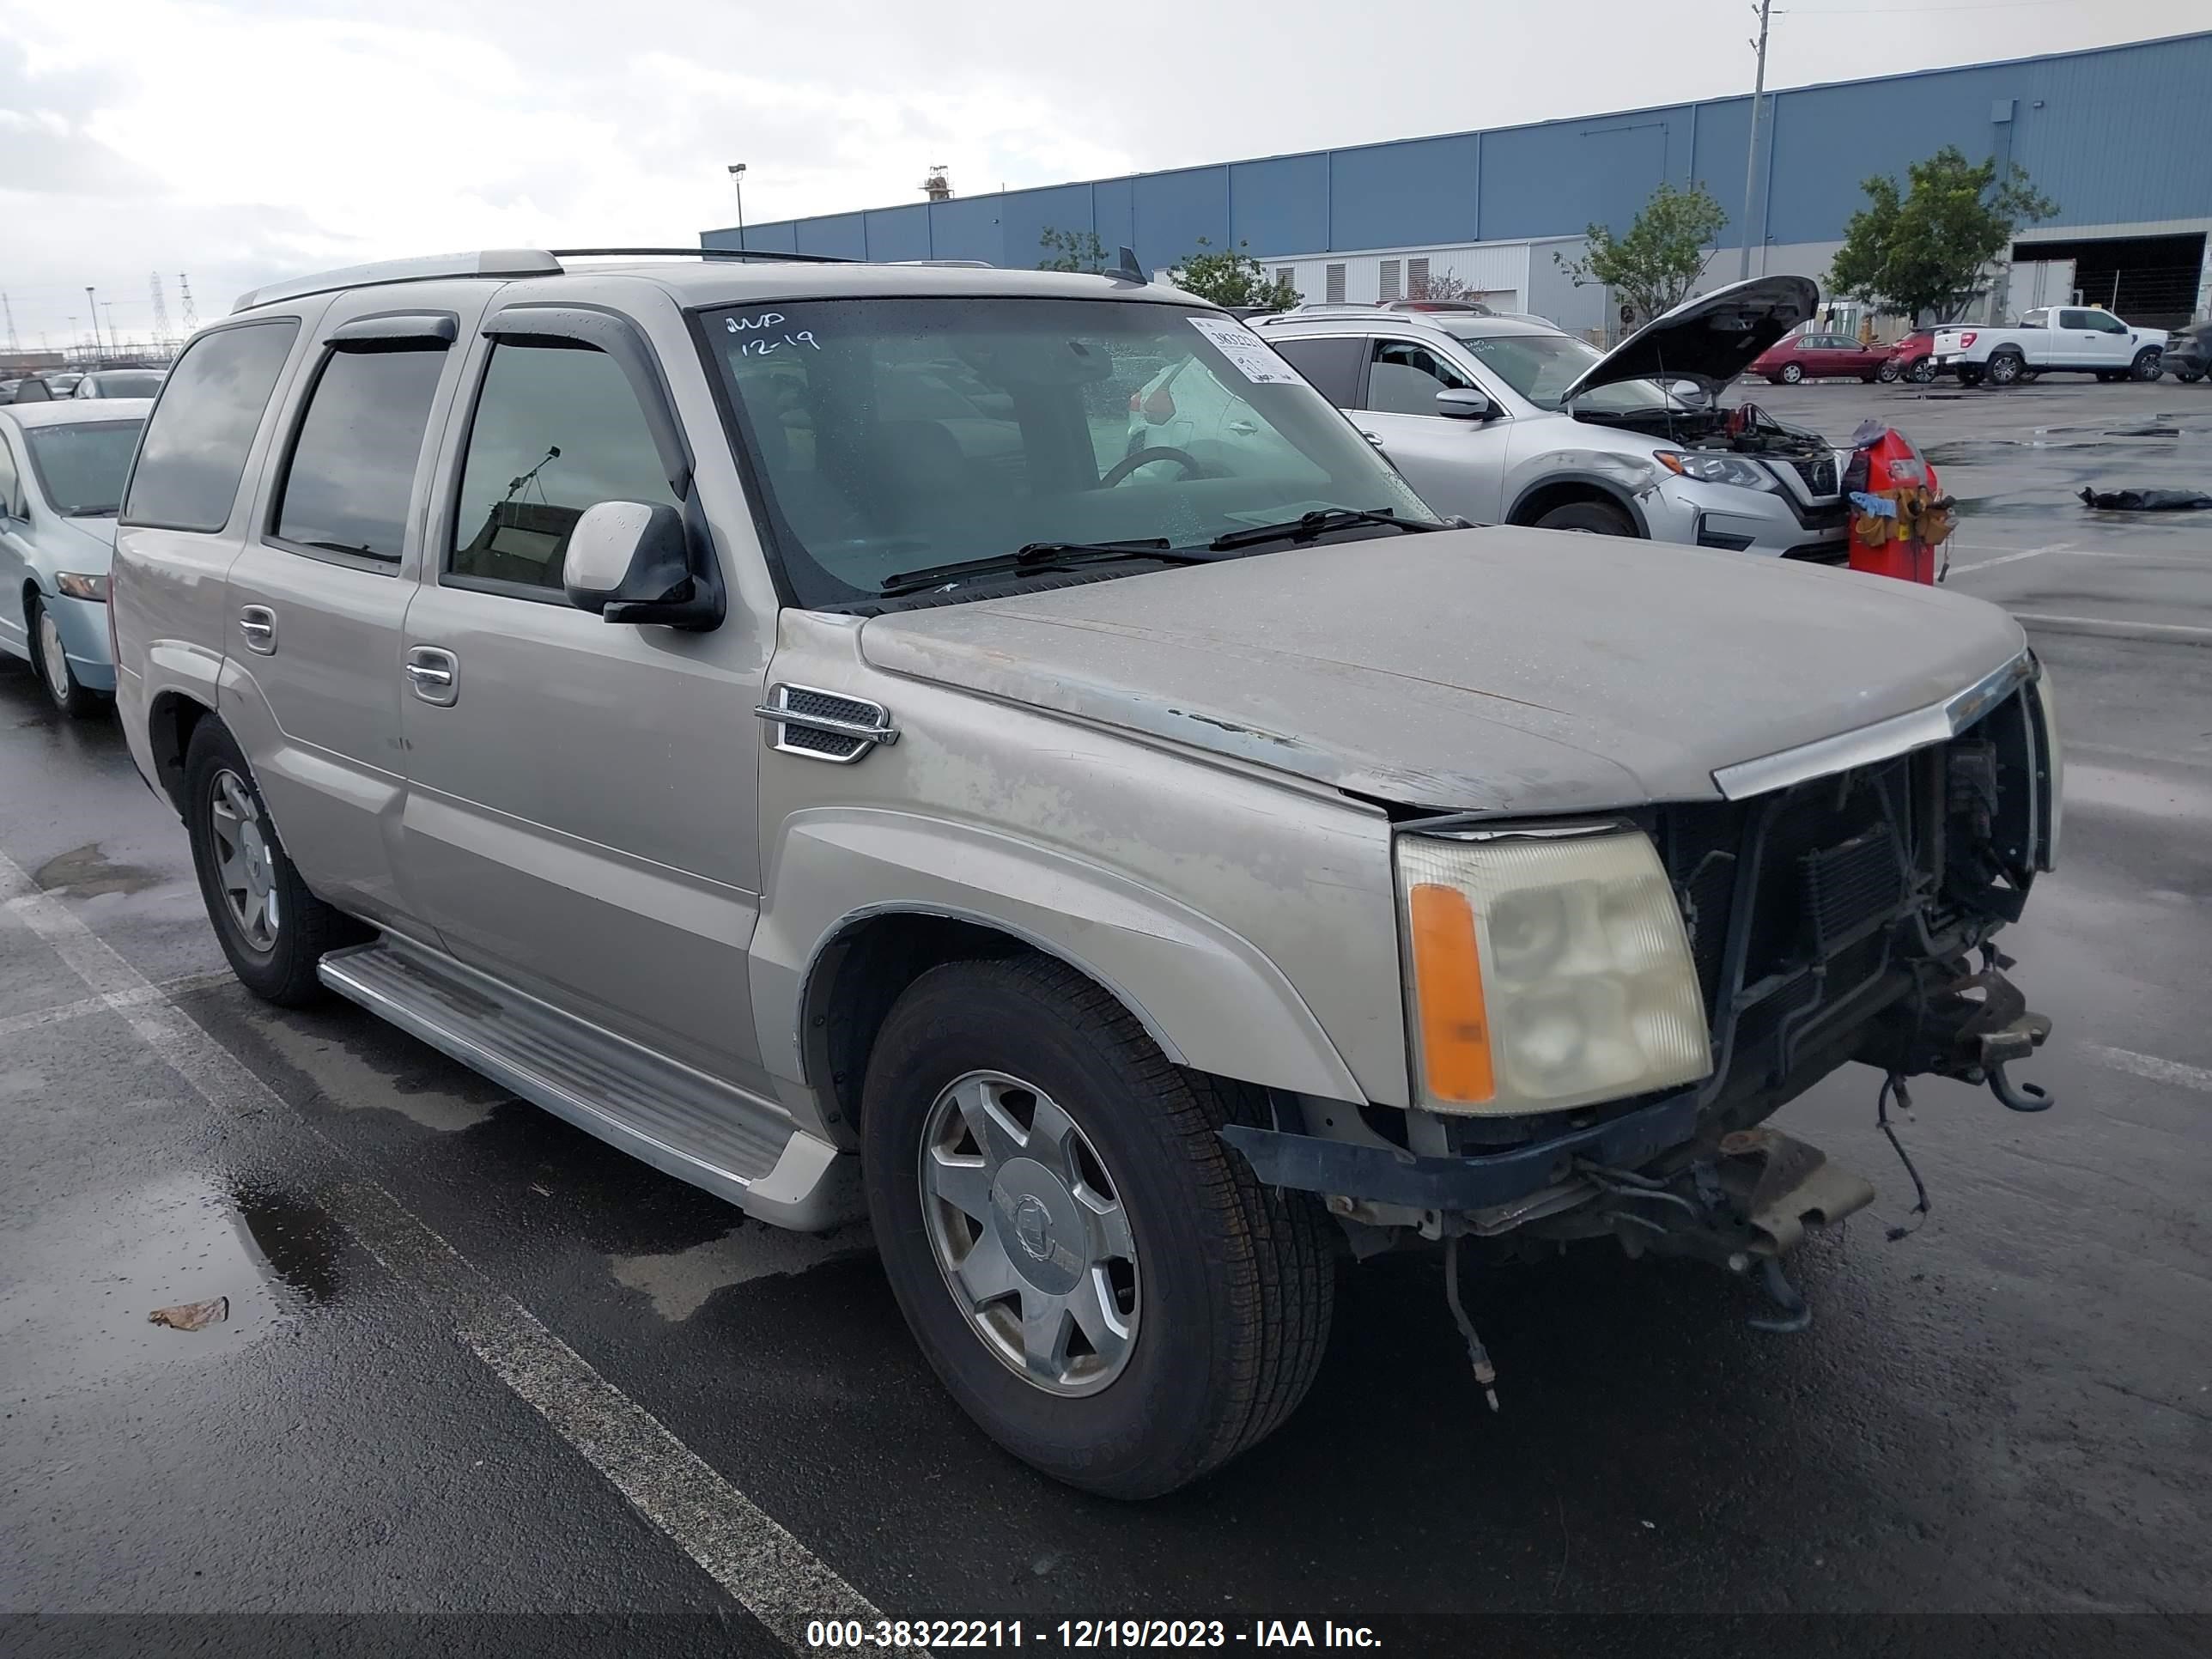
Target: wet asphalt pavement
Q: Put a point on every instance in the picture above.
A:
(2009, 1411)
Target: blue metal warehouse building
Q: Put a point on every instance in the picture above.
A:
(2120, 138)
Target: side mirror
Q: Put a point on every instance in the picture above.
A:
(631, 562)
(1465, 404)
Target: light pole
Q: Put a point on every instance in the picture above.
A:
(93, 306)
(737, 178)
(1750, 154)
(108, 306)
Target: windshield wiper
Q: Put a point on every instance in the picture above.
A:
(90, 512)
(1039, 555)
(1306, 526)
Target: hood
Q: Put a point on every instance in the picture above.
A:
(1712, 337)
(1504, 669)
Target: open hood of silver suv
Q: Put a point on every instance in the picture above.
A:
(1711, 337)
(1502, 670)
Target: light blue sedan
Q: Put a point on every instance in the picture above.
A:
(62, 467)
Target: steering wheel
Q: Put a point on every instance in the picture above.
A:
(1137, 458)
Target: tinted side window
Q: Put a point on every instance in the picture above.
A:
(1332, 366)
(2105, 323)
(556, 430)
(195, 449)
(352, 471)
(2074, 320)
(1405, 378)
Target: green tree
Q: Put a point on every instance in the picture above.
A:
(1072, 250)
(1925, 249)
(1232, 278)
(1653, 267)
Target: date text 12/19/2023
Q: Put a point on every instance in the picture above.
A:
(906, 1634)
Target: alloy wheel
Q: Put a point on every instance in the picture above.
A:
(1791, 373)
(1028, 1228)
(53, 657)
(245, 862)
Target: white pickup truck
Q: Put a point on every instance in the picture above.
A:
(2082, 340)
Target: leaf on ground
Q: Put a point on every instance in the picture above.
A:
(193, 1316)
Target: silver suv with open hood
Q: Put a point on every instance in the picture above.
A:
(1512, 421)
(757, 711)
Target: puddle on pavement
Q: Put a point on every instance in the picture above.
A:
(86, 872)
(681, 1281)
(83, 1276)
(433, 1091)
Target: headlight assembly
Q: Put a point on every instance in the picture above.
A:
(1718, 469)
(1548, 971)
(77, 587)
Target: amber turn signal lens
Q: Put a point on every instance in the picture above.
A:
(1447, 985)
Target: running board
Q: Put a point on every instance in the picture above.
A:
(684, 1123)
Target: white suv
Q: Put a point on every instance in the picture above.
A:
(1504, 421)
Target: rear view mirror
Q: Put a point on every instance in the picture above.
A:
(1465, 404)
(628, 562)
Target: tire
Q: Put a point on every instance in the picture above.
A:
(2109, 376)
(1591, 518)
(1922, 372)
(2006, 367)
(2188, 376)
(1792, 373)
(2030, 376)
(1228, 1285)
(1969, 376)
(2148, 366)
(276, 960)
(50, 661)
(1888, 373)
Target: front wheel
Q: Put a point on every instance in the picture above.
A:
(2148, 365)
(1097, 1279)
(1792, 373)
(1591, 518)
(49, 653)
(272, 929)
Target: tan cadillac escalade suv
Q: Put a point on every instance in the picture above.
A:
(760, 711)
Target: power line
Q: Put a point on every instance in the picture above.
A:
(185, 295)
(161, 310)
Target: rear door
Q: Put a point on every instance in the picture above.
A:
(582, 814)
(322, 584)
(1456, 465)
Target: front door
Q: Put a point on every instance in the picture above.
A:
(311, 686)
(581, 815)
(1456, 465)
(15, 547)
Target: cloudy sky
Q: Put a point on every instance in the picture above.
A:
(236, 140)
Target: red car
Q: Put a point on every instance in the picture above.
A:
(1912, 358)
(1818, 356)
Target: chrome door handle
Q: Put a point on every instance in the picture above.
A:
(258, 623)
(1244, 428)
(434, 674)
(1370, 438)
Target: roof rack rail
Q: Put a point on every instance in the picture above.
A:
(771, 254)
(492, 262)
(487, 261)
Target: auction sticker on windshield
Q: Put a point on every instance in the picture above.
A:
(1248, 353)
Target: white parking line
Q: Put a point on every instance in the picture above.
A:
(2105, 628)
(77, 1009)
(770, 1573)
(1960, 568)
(2150, 1065)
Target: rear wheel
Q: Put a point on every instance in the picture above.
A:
(1097, 1279)
(272, 929)
(50, 656)
(1591, 518)
(1923, 372)
(1792, 373)
(2006, 367)
(2188, 376)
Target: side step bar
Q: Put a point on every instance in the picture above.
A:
(735, 1145)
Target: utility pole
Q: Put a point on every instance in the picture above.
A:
(737, 178)
(92, 306)
(161, 310)
(192, 320)
(1751, 156)
(108, 306)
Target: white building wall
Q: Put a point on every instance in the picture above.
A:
(1495, 272)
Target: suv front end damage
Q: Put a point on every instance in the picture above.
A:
(1829, 908)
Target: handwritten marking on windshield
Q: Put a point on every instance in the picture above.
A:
(766, 320)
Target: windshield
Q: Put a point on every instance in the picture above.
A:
(1540, 367)
(81, 466)
(895, 434)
